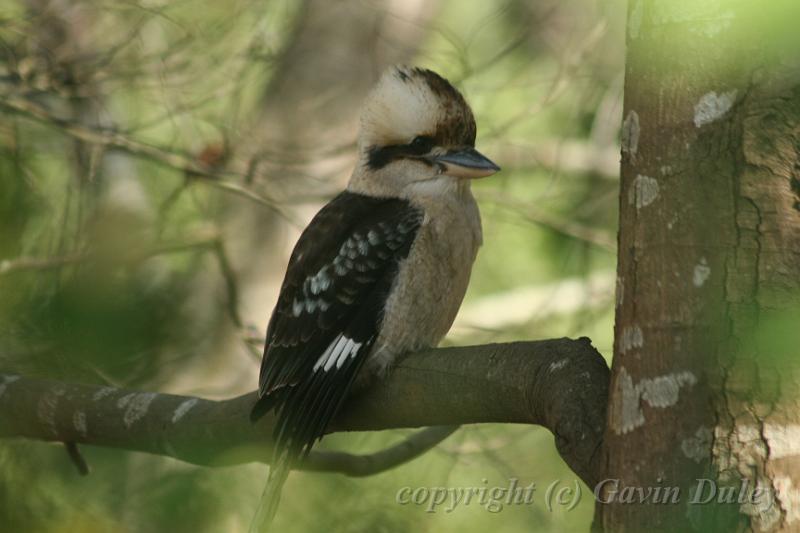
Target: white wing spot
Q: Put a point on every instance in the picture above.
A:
(325, 354)
(343, 353)
(319, 281)
(373, 237)
(350, 350)
(334, 355)
(339, 267)
(337, 353)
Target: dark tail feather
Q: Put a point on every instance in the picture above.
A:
(263, 406)
(271, 497)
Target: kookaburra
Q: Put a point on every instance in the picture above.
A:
(381, 270)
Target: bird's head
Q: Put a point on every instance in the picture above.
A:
(417, 137)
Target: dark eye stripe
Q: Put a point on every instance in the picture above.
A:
(421, 144)
(380, 156)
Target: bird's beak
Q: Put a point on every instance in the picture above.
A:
(465, 163)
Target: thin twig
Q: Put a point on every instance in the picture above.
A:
(230, 282)
(114, 139)
(39, 263)
(576, 230)
(386, 459)
(19, 264)
(77, 458)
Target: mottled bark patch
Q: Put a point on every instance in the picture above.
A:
(659, 392)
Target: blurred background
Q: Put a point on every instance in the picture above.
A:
(158, 160)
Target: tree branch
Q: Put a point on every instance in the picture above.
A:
(373, 463)
(561, 384)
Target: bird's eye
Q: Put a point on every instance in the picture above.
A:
(421, 144)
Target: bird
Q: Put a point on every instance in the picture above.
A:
(380, 271)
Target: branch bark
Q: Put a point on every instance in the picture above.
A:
(561, 384)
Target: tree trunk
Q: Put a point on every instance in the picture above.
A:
(708, 272)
